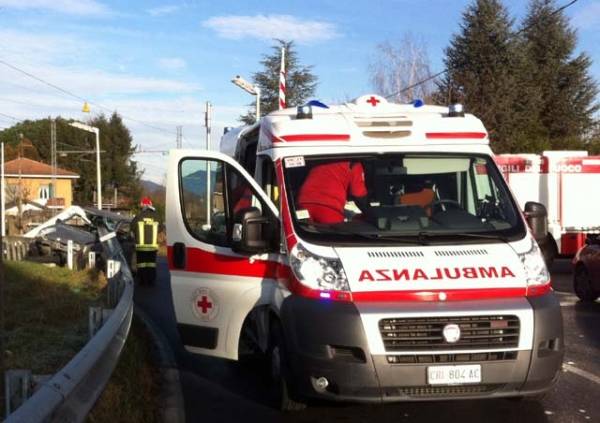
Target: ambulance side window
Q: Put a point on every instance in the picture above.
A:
(203, 200)
(241, 195)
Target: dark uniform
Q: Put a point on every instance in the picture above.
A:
(145, 231)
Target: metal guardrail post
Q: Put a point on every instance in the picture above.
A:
(17, 388)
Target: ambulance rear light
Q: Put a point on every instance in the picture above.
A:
(304, 112)
(456, 110)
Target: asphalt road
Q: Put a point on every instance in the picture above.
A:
(221, 391)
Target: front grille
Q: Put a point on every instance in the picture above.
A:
(431, 391)
(425, 333)
(453, 358)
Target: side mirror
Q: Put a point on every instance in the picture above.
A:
(252, 232)
(537, 218)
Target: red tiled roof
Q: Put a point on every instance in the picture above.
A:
(29, 168)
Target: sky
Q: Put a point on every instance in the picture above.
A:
(157, 63)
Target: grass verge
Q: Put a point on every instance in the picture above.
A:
(132, 393)
(47, 314)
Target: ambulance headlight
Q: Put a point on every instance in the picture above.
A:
(536, 271)
(317, 272)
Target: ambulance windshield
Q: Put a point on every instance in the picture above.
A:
(403, 196)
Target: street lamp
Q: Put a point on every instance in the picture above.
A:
(96, 131)
(251, 89)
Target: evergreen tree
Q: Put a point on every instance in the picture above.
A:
(118, 171)
(300, 81)
(482, 62)
(560, 80)
(115, 140)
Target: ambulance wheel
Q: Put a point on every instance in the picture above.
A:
(582, 284)
(281, 393)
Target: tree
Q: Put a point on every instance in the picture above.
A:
(115, 140)
(398, 66)
(118, 171)
(300, 81)
(482, 63)
(562, 83)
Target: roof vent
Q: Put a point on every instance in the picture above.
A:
(384, 126)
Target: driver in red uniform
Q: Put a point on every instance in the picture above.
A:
(326, 189)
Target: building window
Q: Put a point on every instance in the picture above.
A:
(44, 192)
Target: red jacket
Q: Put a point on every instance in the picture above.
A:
(329, 185)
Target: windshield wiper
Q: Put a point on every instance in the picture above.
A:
(463, 234)
(333, 229)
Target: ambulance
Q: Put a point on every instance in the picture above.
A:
(437, 291)
(567, 183)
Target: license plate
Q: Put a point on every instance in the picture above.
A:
(454, 375)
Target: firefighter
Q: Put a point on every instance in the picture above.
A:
(145, 229)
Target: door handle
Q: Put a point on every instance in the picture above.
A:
(179, 255)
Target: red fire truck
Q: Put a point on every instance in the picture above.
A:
(567, 183)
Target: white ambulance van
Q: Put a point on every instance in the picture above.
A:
(436, 290)
(564, 182)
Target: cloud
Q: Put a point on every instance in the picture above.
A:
(42, 46)
(163, 10)
(172, 63)
(588, 17)
(71, 7)
(267, 27)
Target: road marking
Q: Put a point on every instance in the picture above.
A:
(583, 373)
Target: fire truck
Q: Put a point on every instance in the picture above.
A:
(566, 182)
(427, 285)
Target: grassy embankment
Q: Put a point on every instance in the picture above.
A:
(132, 394)
(47, 324)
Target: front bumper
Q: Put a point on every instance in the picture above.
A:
(329, 339)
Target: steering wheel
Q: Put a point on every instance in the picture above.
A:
(443, 202)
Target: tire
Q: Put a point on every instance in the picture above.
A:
(582, 284)
(281, 394)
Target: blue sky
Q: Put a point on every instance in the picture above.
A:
(158, 62)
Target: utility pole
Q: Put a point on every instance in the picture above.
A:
(207, 123)
(3, 194)
(179, 136)
(53, 159)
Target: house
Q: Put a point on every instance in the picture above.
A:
(32, 182)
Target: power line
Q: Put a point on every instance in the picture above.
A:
(519, 32)
(78, 97)
(10, 117)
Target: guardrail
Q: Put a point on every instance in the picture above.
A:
(69, 395)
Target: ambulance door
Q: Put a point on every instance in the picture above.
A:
(214, 287)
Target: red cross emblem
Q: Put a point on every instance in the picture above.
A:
(373, 101)
(204, 304)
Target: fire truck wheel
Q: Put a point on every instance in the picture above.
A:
(280, 383)
(582, 285)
